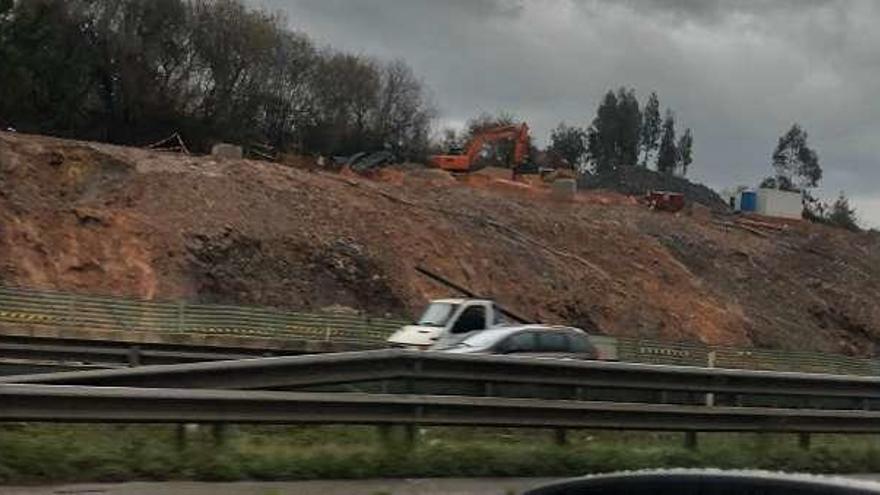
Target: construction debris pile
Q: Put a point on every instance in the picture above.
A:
(637, 180)
(104, 219)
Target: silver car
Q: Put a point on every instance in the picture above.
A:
(527, 340)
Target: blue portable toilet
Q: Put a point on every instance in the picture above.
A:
(748, 201)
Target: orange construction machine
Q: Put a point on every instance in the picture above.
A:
(482, 144)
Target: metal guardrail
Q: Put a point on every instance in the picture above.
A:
(53, 309)
(478, 391)
(441, 373)
(58, 403)
(110, 354)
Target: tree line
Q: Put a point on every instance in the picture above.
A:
(132, 72)
(796, 167)
(624, 134)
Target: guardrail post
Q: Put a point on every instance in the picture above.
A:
(411, 436)
(710, 363)
(364, 327)
(690, 440)
(180, 317)
(384, 431)
(410, 381)
(804, 440)
(220, 432)
(134, 356)
(71, 312)
(390, 438)
(267, 323)
(180, 437)
(560, 437)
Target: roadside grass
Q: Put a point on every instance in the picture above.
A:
(31, 453)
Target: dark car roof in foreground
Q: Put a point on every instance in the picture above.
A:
(675, 481)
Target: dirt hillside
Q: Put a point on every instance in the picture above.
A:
(111, 220)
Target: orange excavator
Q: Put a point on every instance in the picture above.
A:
(482, 144)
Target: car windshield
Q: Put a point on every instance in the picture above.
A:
(483, 339)
(437, 314)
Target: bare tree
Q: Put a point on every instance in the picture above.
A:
(133, 71)
(486, 120)
(287, 105)
(404, 114)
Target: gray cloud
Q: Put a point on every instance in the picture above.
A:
(739, 73)
(717, 10)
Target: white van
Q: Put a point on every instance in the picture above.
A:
(447, 321)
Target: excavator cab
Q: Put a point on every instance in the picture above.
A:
(455, 150)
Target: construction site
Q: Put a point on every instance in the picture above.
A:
(261, 246)
(296, 234)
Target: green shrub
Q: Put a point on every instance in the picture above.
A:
(221, 466)
(32, 453)
(7, 474)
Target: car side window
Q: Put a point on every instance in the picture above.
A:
(552, 342)
(578, 343)
(472, 318)
(521, 342)
(497, 320)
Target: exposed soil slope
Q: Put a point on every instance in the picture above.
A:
(124, 221)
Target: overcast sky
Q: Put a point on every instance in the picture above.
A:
(739, 73)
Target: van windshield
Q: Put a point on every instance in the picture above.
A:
(437, 314)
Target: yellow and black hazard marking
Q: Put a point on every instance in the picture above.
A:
(307, 332)
(231, 330)
(22, 316)
(317, 332)
(664, 351)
